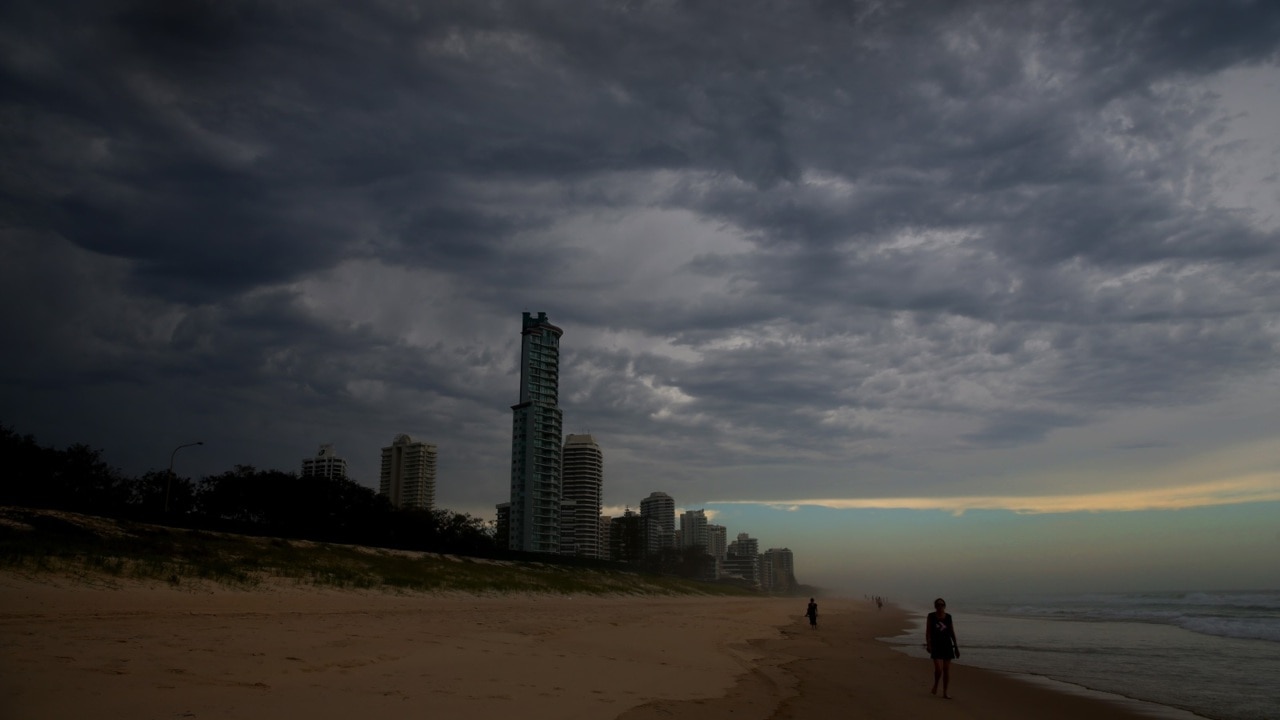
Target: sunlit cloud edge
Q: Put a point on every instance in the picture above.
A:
(1250, 489)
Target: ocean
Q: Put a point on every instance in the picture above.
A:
(1171, 655)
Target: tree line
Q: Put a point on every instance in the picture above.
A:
(244, 499)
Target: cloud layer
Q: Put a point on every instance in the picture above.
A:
(825, 249)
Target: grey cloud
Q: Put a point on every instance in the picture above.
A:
(989, 214)
(1019, 427)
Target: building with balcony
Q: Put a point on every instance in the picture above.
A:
(659, 513)
(742, 560)
(693, 531)
(408, 477)
(326, 464)
(777, 570)
(581, 487)
(717, 541)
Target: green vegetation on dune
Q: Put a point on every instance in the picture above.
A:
(65, 543)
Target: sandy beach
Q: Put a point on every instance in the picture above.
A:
(68, 649)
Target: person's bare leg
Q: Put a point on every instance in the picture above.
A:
(937, 675)
(946, 678)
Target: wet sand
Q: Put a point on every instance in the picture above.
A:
(842, 670)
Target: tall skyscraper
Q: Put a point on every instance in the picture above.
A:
(535, 440)
(581, 487)
(326, 464)
(659, 512)
(408, 476)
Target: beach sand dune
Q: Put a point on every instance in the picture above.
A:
(71, 650)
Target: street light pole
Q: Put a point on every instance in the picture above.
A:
(168, 481)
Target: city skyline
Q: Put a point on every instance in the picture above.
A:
(964, 297)
(583, 482)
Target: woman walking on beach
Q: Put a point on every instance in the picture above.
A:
(811, 612)
(940, 641)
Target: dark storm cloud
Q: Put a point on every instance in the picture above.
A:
(993, 215)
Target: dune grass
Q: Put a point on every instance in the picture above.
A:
(55, 542)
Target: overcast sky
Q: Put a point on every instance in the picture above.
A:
(936, 294)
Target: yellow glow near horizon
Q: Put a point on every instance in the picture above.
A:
(1234, 491)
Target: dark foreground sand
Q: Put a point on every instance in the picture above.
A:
(71, 650)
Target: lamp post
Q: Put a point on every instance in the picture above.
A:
(168, 481)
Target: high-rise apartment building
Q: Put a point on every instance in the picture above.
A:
(745, 546)
(408, 477)
(627, 537)
(534, 524)
(659, 513)
(717, 541)
(581, 488)
(326, 464)
(743, 559)
(693, 531)
(502, 527)
(777, 570)
(606, 522)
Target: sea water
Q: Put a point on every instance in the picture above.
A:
(1211, 654)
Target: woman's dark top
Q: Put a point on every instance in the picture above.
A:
(940, 634)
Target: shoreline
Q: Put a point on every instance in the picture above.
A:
(846, 667)
(152, 651)
(1144, 708)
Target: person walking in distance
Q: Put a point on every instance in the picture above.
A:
(940, 641)
(811, 612)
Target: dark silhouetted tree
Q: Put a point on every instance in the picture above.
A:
(147, 495)
(27, 467)
(73, 479)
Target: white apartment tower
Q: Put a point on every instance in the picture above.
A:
(326, 464)
(534, 524)
(659, 513)
(581, 491)
(408, 477)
